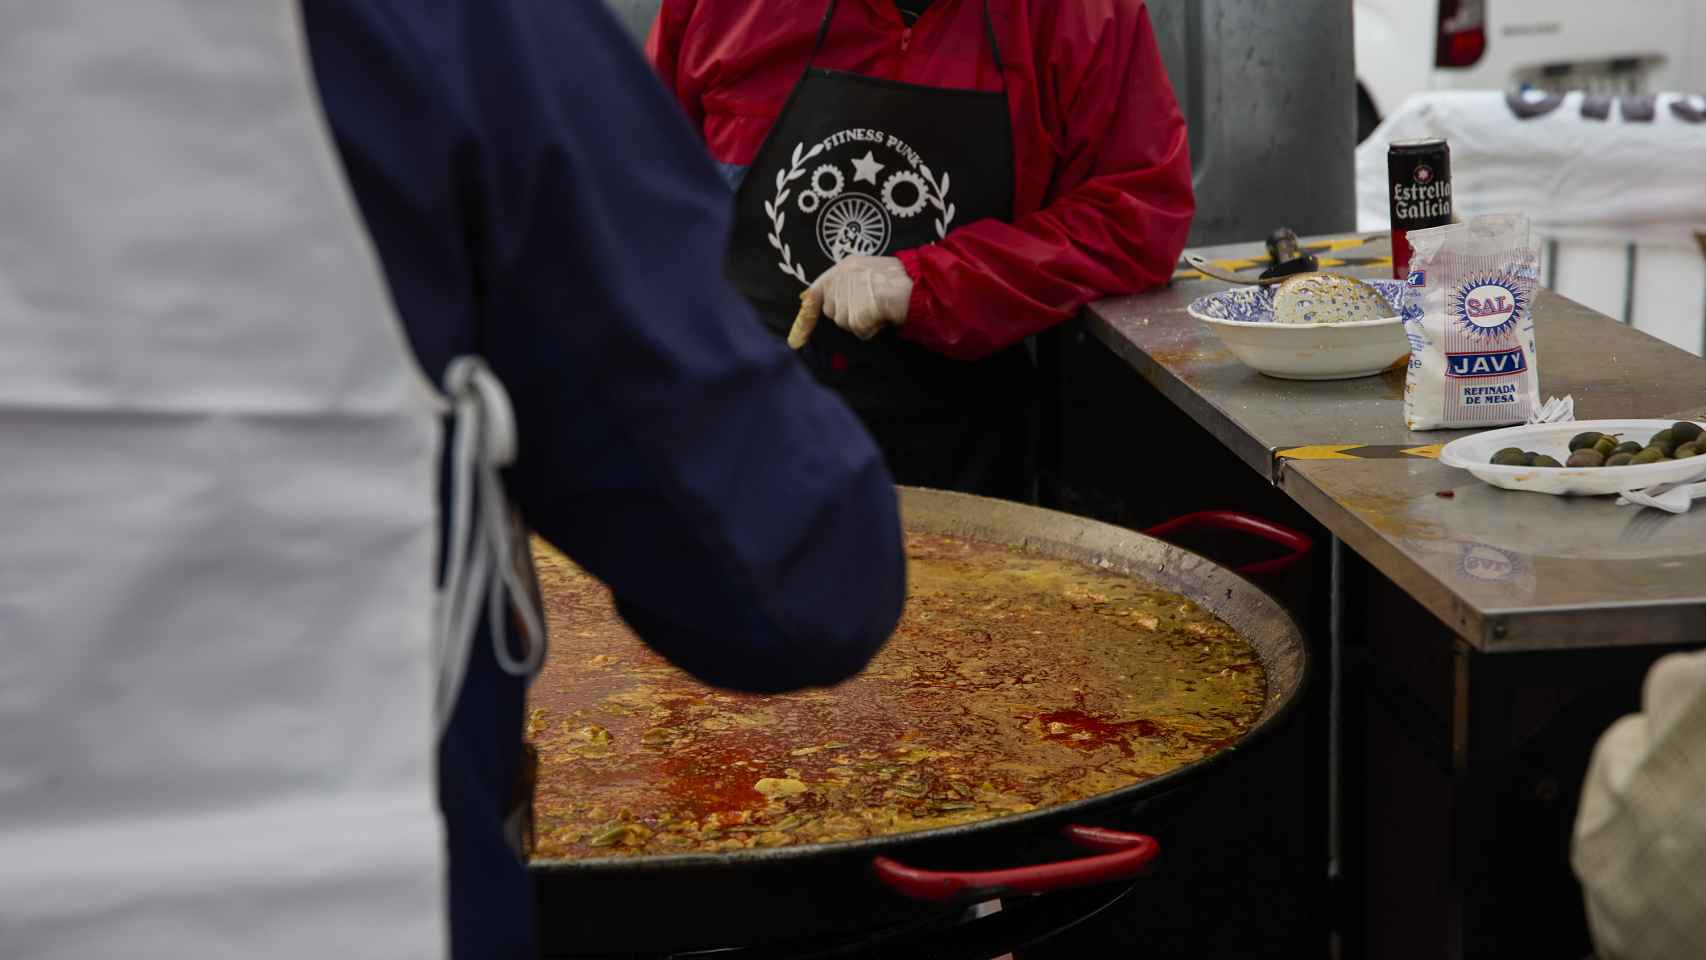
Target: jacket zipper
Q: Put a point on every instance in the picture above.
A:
(905, 39)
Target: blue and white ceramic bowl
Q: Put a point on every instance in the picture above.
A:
(1243, 318)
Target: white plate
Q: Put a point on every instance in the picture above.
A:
(1242, 318)
(1553, 439)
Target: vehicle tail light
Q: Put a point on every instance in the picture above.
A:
(1462, 33)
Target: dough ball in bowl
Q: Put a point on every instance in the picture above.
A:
(1328, 298)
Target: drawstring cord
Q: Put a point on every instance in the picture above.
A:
(481, 548)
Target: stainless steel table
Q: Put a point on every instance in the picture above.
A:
(1578, 571)
(1528, 593)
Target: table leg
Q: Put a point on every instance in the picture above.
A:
(1335, 740)
(1481, 739)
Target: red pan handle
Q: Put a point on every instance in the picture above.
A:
(1129, 854)
(1297, 543)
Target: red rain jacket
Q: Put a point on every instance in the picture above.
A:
(1103, 196)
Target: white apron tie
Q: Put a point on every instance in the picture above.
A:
(481, 559)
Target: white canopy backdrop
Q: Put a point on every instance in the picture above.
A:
(1613, 186)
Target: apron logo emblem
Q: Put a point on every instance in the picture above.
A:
(852, 225)
(851, 220)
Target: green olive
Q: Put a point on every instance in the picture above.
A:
(1510, 457)
(1685, 432)
(1585, 457)
(1630, 447)
(1587, 439)
(1542, 460)
(1663, 438)
(1606, 446)
(1618, 459)
(1649, 455)
(1686, 450)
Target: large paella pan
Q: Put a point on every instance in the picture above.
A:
(1049, 671)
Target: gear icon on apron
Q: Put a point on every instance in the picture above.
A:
(809, 201)
(918, 200)
(828, 193)
(852, 224)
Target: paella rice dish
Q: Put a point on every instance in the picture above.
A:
(1014, 682)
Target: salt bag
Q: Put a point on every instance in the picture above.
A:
(1468, 312)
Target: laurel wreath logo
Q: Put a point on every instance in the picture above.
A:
(776, 207)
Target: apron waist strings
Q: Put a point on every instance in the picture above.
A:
(480, 548)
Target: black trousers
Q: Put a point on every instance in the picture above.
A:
(987, 452)
(941, 423)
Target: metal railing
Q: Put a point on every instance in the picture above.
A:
(1658, 289)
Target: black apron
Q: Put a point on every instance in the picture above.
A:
(861, 166)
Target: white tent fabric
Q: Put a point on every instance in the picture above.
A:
(1579, 167)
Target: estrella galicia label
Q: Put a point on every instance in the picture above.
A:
(1496, 363)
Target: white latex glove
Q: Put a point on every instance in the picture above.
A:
(864, 294)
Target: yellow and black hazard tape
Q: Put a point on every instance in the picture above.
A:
(1360, 451)
(1185, 272)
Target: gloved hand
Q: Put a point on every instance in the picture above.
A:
(864, 294)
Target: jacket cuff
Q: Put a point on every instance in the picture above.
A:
(921, 320)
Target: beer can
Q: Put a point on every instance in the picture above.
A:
(1419, 181)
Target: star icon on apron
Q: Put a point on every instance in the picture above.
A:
(867, 168)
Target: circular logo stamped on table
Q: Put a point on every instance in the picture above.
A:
(1482, 562)
(1489, 305)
